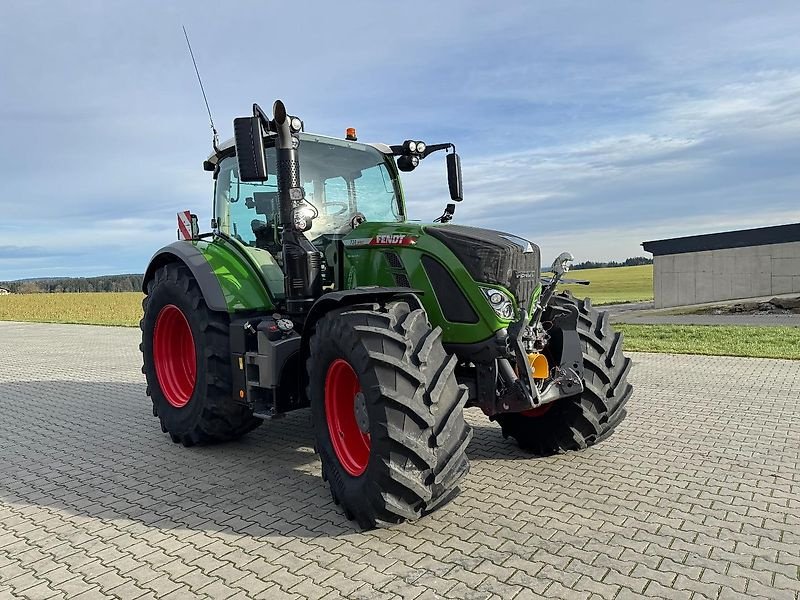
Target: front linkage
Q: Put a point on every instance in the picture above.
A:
(518, 390)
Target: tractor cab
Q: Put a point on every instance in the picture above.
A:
(345, 184)
(341, 179)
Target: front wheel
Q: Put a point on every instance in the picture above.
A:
(579, 421)
(387, 413)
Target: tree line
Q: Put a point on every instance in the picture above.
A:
(104, 283)
(634, 261)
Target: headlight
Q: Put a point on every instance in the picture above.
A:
(496, 298)
(421, 147)
(500, 302)
(412, 146)
(296, 124)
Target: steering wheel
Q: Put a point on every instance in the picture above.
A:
(343, 208)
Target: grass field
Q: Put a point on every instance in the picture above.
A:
(720, 340)
(93, 308)
(615, 285)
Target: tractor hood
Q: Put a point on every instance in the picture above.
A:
(488, 256)
(448, 264)
(493, 256)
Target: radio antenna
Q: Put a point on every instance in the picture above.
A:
(215, 135)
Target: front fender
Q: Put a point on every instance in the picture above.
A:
(363, 295)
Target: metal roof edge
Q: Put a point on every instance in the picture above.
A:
(760, 236)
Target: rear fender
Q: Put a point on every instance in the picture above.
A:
(228, 283)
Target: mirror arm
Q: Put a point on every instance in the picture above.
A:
(436, 147)
(267, 123)
(400, 150)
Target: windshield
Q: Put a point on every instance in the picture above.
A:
(340, 178)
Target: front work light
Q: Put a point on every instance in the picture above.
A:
(407, 162)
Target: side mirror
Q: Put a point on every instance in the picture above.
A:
(250, 149)
(454, 177)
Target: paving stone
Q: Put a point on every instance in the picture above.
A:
(687, 499)
(656, 590)
(757, 589)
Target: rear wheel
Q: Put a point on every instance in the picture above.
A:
(580, 421)
(186, 354)
(388, 413)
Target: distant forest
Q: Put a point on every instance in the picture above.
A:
(133, 283)
(628, 262)
(104, 283)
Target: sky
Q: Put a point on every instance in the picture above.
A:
(583, 126)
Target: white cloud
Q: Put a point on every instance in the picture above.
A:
(599, 124)
(594, 243)
(697, 164)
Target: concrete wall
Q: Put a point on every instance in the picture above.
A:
(695, 277)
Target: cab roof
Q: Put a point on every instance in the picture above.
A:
(228, 144)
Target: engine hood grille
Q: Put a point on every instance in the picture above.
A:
(494, 257)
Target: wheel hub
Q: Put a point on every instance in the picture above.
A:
(362, 417)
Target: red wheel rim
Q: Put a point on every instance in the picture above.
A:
(349, 442)
(173, 355)
(536, 412)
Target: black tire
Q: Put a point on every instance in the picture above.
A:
(418, 436)
(211, 414)
(580, 421)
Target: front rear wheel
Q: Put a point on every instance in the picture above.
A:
(387, 412)
(186, 352)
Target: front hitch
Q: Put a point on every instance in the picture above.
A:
(520, 391)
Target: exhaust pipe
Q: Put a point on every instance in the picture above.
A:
(302, 262)
(288, 167)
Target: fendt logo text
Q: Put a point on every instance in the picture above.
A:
(392, 238)
(383, 239)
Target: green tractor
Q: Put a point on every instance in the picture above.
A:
(314, 289)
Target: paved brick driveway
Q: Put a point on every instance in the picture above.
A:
(698, 495)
